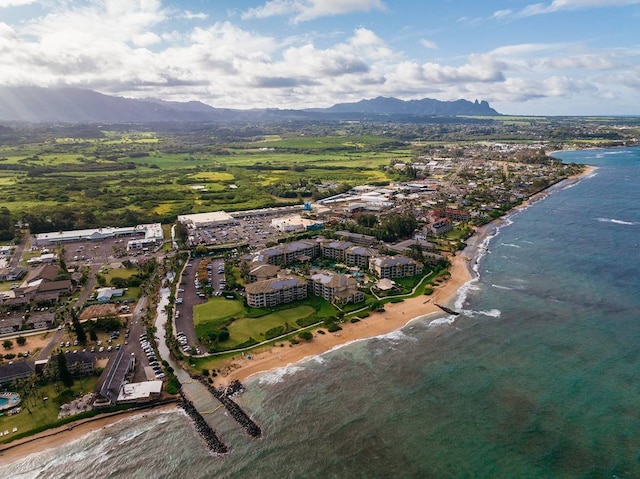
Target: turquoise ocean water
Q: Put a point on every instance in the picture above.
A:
(538, 378)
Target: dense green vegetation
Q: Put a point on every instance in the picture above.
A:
(123, 177)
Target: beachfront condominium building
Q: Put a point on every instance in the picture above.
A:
(359, 256)
(356, 238)
(335, 288)
(263, 272)
(394, 266)
(288, 253)
(335, 249)
(272, 292)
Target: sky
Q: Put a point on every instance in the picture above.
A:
(554, 57)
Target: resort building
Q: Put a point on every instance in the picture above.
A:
(439, 227)
(263, 272)
(288, 253)
(356, 238)
(272, 292)
(413, 244)
(16, 370)
(394, 266)
(80, 363)
(38, 287)
(335, 288)
(113, 377)
(359, 256)
(335, 249)
(139, 392)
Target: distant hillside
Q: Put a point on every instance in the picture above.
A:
(75, 105)
(424, 107)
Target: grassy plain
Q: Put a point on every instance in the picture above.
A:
(127, 177)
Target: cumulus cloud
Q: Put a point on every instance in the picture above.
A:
(194, 16)
(305, 10)
(131, 48)
(479, 68)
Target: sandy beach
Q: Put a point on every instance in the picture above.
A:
(53, 438)
(395, 316)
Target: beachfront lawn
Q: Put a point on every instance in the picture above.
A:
(44, 413)
(267, 326)
(253, 325)
(217, 309)
(215, 314)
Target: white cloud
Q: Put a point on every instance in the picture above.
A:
(194, 16)
(305, 10)
(558, 5)
(131, 48)
(15, 3)
(428, 44)
(146, 39)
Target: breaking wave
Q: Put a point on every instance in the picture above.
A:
(615, 221)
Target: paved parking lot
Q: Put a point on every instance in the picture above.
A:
(188, 295)
(255, 231)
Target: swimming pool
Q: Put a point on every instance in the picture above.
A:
(9, 400)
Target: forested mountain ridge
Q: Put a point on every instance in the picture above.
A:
(76, 105)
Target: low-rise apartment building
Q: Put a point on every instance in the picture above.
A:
(272, 292)
(335, 249)
(288, 253)
(335, 288)
(394, 266)
(359, 256)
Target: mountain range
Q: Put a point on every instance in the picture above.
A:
(76, 105)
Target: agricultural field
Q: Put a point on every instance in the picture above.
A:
(123, 177)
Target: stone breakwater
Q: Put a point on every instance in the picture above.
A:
(234, 410)
(210, 437)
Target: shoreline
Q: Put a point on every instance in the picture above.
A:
(394, 317)
(61, 435)
(271, 358)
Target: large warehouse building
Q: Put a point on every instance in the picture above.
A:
(205, 220)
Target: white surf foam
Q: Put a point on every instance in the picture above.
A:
(616, 221)
(498, 286)
(492, 313)
(277, 375)
(446, 320)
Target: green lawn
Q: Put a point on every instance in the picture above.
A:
(254, 323)
(215, 313)
(241, 330)
(44, 412)
(119, 273)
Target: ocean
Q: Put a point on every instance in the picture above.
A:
(537, 378)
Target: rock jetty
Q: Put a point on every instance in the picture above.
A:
(235, 411)
(210, 437)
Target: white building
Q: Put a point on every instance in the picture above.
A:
(150, 231)
(140, 392)
(295, 223)
(204, 220)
